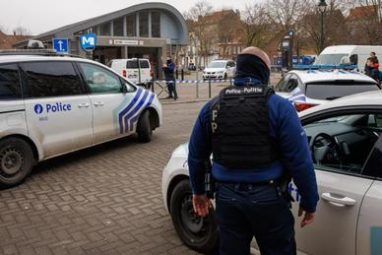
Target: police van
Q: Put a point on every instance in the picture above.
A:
(53, 105)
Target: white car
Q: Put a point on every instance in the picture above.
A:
(219, 69)
(346, 143)
(313, 87)
(52, 105)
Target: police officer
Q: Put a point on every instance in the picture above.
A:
(255, 138)
(169, 71)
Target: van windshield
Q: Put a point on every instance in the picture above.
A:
(217, 65)
(330, 59)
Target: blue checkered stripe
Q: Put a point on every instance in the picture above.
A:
(129, 115)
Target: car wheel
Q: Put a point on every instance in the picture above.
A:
(199, 234)
(16, 161)
(144, 129)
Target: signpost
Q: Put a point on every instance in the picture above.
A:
(61, 45)
(88, 42)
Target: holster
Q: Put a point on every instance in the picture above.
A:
(210, 184)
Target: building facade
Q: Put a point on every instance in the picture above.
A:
(149, 30)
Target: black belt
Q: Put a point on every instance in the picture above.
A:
(249, 186)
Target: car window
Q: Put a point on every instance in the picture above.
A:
(9, 82)
(100, 80)
(287, 84)
(373, 166)
(329, 91)
(144, 63)
(50, 79)
(343, 143)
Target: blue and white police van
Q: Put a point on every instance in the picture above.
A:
(53, 105)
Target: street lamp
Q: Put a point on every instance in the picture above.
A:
(322, 9)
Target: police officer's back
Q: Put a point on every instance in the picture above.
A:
(256, 139)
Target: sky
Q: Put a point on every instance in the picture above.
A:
(39, 16)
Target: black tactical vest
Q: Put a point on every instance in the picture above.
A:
(240, 128)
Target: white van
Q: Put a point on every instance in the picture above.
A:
(51, 105)
(352, 54)
(137, 70)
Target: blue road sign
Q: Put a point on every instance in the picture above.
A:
(88, 41)
(61, 45)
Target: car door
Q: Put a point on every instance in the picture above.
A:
(57, 108)
(369, 230)
(108, 99)
(341, 185)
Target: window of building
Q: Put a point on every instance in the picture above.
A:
(155, 24)
(104, 29)
(131, 25)
(9, 82)
(144, 24)
(118, 27)
(50, 79)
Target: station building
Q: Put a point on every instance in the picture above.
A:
(148, 30)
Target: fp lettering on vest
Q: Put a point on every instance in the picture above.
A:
(58, 107)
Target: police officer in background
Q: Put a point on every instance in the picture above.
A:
(255, 138)
(169, 74)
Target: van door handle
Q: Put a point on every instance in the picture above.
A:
(83, 105)
(99, 103)
(337, 200)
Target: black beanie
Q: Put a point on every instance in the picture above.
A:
(249, 65)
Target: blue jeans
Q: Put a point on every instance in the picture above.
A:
(247, 211)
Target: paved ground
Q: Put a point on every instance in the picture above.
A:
(104, 200)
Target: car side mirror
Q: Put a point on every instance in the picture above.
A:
(124, 89)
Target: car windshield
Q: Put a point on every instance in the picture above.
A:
(330, 59)
(216, 65)
(333, 90)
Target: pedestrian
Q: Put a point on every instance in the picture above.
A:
(255, 138)
(169, 74)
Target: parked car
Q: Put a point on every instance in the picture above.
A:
(345, 139)
(219, 69)
(52, 105)
(307, 88)
(137, 70)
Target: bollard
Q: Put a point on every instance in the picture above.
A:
(230, 81)
(177, 73)
(197, 89)
(209, 88)
(182, 74)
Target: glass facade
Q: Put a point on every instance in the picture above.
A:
(144, 24)
(118, 27)
(104, 29)
(131, 25)
(155, 24)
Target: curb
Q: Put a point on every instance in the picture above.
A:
(183, 102)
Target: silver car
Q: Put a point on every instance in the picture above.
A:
(345, 139)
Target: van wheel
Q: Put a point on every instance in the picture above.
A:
(16, 161)
(199, 234)
(144, 129)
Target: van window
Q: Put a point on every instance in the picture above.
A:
(330, 59)
(50, 79)
(9, 82)
(132, 64)
(144, 63)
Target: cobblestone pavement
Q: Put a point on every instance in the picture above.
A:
(103, 200)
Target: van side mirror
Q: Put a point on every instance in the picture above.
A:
(354, 59)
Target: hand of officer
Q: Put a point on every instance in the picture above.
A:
(201, 205)
(307, 219)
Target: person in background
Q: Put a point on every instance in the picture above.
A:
(169, 74)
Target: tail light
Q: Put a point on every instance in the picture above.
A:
(124, 74)
(301, 106)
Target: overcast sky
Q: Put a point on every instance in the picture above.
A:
(40, 16)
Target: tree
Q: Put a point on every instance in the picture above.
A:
(197, 21)
(20, 30)
(255, 25)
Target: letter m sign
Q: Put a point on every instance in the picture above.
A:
(88, 41)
